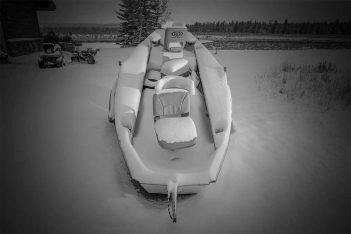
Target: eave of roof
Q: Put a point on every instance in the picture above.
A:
(44, 5)
(38, 5)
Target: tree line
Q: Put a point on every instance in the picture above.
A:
(84, 29)
(273, 27)
(52, 37)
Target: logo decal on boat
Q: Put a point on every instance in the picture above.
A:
(177, 34)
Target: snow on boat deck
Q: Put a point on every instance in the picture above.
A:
(154, 155)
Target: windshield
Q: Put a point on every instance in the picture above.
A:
(48, 48)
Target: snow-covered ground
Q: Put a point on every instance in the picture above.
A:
(287, 168)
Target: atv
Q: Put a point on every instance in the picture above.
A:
(93, 51)
(50, 56)
(83, 56)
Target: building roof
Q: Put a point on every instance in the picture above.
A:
(39, 5)
(44, 5)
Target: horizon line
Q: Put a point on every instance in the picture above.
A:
(252, 20)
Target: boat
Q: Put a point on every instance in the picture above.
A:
(172, 110)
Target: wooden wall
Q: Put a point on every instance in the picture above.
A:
(19, 20)
(20, 24)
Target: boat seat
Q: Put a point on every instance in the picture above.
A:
(176, 67)
(176, 133)
(171, 106)
(175, 82)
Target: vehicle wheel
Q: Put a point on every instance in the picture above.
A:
(41, 65)
(91, 61)
(4, 60)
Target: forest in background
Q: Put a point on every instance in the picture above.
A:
(248, 27)
(273, 27)
(81, 29)
(231, 35)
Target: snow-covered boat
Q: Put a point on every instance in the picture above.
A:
(172, 108)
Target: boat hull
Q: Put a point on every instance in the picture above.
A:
(125, 102)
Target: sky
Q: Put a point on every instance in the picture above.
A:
(190, 11)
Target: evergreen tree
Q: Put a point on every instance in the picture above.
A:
(165, 13)
(127, 14)
(140, 17)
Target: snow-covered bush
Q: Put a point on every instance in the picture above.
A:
(322, 84)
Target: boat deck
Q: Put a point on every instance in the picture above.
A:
(154, 156)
